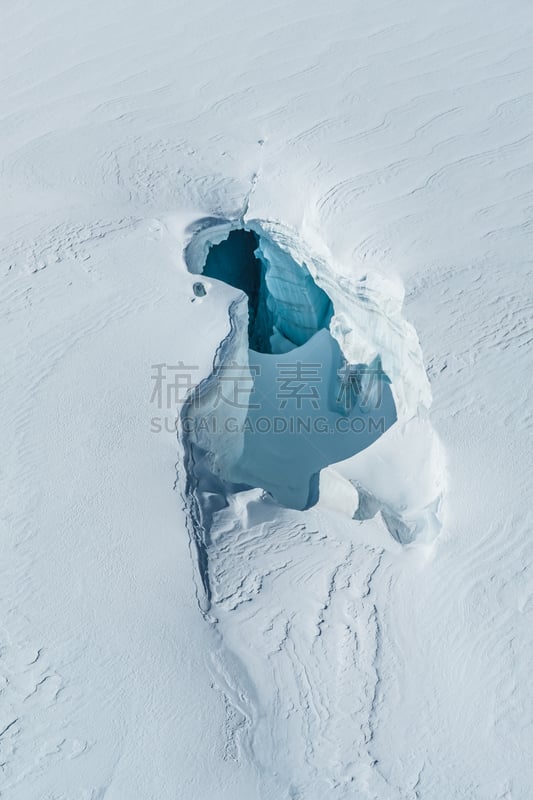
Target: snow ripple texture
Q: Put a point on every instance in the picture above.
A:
(337, 662)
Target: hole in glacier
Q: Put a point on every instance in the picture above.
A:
(301, 406)
(285, 306)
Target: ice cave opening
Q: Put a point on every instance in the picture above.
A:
(285, 306)
(282, 403)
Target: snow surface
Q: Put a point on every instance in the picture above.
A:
(291, 654)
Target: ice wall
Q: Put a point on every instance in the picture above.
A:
(299, 308)
(235, 262)
(368, 320)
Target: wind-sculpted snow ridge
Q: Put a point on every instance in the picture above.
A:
(300, 671)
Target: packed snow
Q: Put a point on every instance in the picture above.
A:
(193, 606)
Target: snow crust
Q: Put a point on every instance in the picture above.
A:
(386, 146)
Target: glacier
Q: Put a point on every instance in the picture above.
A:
(361, 628)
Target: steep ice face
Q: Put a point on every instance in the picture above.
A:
(318, 366)
(298, 306)
(285, 306)
(234, 261)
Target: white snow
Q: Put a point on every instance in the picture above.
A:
(156, 645)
